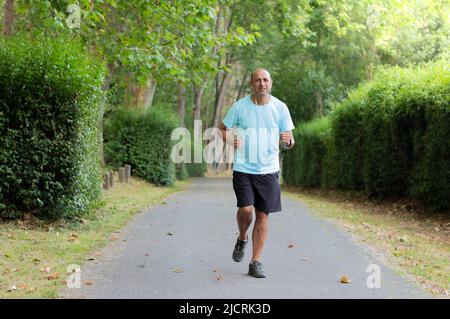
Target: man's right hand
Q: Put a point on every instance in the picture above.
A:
(236, 143)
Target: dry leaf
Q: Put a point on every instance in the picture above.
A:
(23, 287)
(177, 270)
(115, 237)
(90, 259)
(345, 279)
(72, 237)
(291, 246)
(220, 277)
(53, 276)
(88, 283)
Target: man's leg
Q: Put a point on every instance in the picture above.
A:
(244, 219)
(260, 233)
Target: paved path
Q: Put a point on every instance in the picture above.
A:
(146, 262)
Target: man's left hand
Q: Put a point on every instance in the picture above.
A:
(286, 138)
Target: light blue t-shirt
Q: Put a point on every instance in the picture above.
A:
(258, 127)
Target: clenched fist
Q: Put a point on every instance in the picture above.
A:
(286, 138)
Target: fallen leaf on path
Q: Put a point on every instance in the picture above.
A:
(177, 270)
(220, 277)
(291, 246)
(53, 276)
(345, 279)
(115, 237)
(88, 283)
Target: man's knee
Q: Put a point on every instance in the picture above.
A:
(261, 217)
(246, 210)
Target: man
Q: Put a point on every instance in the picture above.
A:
(261, 120)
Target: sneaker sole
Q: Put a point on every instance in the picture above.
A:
(256, 275)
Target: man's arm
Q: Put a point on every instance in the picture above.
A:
(227, 137)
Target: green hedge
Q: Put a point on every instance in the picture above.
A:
(49, 119)
(390, 139)
(141, 138)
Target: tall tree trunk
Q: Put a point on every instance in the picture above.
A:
(198, 95)
(105, 88)
(181, 103)
(151, 89)
(219, 100)
(241, 88)
(137, 95)
(319, 103)
(8, 15)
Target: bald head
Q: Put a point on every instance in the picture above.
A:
(260, 82)
(261, 71)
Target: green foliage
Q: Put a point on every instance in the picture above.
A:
(390, 139)
(49, 119)
(305, 164)
(141, 138)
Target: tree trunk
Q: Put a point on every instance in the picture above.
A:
(198, 94)
(319, 103)
(105, 88)
(181, 103)
(137, 95)
(219, 100)
(241, 88)
(8, 15)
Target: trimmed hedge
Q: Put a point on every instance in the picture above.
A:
(49, 119)
(141, 138)
(390, 139)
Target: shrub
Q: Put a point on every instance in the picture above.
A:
(49, 118)
(141, 138)
(389, 138)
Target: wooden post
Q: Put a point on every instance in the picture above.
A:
(106, 181)
(122, 174)
(111, 178)
(127, 173)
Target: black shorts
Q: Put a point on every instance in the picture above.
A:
(259, 190)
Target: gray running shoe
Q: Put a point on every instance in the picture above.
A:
(239, 249)
(256, 269)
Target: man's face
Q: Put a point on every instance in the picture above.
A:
(261, 83)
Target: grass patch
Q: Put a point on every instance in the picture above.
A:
(32, 251)
(414, 243)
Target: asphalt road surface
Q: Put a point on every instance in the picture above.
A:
(182, 249)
